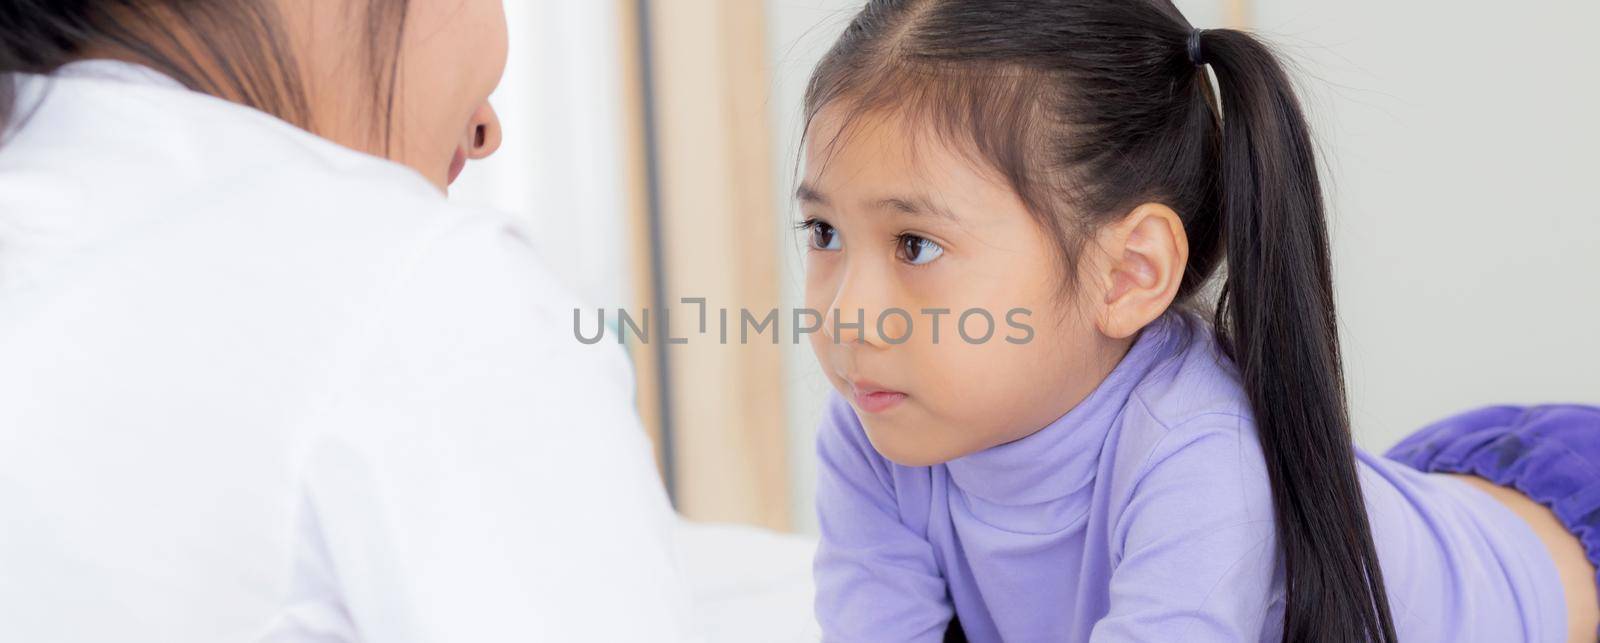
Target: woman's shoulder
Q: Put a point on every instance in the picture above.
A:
(119, 173)
(133, 155)
(119, 125)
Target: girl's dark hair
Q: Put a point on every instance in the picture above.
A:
(1091, 107)
(235, 49)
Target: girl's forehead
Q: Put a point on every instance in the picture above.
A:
(844, 138)
(873, 178)
(863, 156)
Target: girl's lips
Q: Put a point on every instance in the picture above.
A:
(456, 165)
(871, 399)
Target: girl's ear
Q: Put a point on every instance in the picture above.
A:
(1145, 256)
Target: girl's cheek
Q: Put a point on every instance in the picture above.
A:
(820, 291)
(958, 395)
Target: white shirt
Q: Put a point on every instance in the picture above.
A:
(255, 386)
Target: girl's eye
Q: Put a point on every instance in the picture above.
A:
(916, 250)
(823, 236)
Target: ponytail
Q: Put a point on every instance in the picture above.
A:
(1276, 319)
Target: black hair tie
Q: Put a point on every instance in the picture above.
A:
(1197, 55)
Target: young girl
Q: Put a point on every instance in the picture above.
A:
(1125, 470)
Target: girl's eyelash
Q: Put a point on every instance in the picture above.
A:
(906, 237)
(811, 223)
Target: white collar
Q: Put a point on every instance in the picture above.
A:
(117, 70)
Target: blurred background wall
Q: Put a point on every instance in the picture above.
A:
(653, 144)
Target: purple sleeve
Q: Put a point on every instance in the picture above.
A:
(1193, 551)
(877, 579)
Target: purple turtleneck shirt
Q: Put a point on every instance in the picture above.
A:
(1144, 514)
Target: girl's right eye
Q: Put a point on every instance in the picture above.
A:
(823, 236)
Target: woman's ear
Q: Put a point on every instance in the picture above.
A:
(1145, 256)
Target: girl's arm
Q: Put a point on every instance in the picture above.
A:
(877, 579)
(1193, 551)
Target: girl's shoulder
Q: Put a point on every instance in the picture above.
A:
(1188, 439)
(1187, 521)
(1193, 388)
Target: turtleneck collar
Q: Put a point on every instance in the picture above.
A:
(1061, 458)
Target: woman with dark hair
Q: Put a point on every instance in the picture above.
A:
(259, 380)
(1126, 469)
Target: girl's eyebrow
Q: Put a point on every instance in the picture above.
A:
(915, 205)
(918, 204)
(807, 194)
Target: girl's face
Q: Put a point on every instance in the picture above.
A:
(897, 221)
(451, 57)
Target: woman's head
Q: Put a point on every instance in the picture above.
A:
(1073, 157)
(404, 79)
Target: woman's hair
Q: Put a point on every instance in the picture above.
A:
(1091, 107)
(235, 49)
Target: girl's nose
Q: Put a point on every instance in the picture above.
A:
(875, 328)
(858, 316)
(483, 132)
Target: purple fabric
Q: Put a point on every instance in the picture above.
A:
(1143, 514)
(1550, 453)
